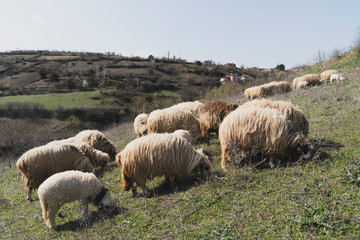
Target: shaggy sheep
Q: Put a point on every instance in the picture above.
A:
(97, 140)
(264, 129)
(212, 115)
(193, 107)
(157, 155)
(267, 89)
(336, 77)
(184, 133)
(96, 157)
(325, 75)
(70, 186)
(39, 163)
(140, 124)
(169, 120)
(312, 79)
(291, 112)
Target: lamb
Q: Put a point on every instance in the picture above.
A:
(300, 85)
(291, 112)
(97, 140)
(169, 120)
(140, 124)
(212, 115)
(96, 157)
(248, 128)
(336, 77)
(267, 89)
(157, 155)
(325, 75)
(70, 186)
(193, 107)
(39, 163)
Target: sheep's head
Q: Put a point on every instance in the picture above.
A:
(107, 202)
(302, 147)
(204, 166)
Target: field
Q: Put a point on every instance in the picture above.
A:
(318, 199)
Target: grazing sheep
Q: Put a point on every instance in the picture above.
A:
(169, 120)
(39, 163)
(312, 79)
(97, 140)
(184, 133)
(264, 129)
(140, 124)
(96, 157)
(267, 89)
(157, 155)
(295, 82)
(193, 107)
(291, 112)
(70, 186)
(301, 85)
(336, 77)
(325, 75)
(212, 115)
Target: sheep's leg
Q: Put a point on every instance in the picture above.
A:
(225, 157)
(29, 193)
(85, 211)
(51, 219)
(142, 185)
(133, 189)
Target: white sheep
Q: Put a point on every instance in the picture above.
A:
(140, 124)
(265, 129)
(325, 75)
(183, 133)
(39, 163)
(70, 186)
(336, 77)
(193, 107)
(157, 155)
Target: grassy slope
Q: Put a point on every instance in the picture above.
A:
(304, 200)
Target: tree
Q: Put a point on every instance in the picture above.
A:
(280, 67)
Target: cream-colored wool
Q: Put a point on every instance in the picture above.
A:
(325, 75)
(155, 155)
(193, 107)
(184, 133)
(212, 115)
(39, 163)
(97, 140)
(336, 78)
(140, 124)
(291, 112)
(267, 89)
(70, 186)
(169, 120)
(295, 82)
(300, 85)
(262, 128)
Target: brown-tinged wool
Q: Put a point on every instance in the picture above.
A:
(266, 129)
(155, 155)
(170, 120)
(212, 115)
(97, 140)
(193, 107)
(70, 186)
(291, 112)
(39, 163)
(312, 79)
(140, 124)
(325, 75)
(96, 157)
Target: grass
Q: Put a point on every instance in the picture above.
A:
(318, 199)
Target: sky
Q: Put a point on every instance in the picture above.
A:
(249, 33)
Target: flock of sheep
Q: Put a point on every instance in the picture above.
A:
(62, 171)
(307, 80)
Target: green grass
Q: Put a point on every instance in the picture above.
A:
(90, 99)
(318, 199)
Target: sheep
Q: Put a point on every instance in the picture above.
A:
(70, 186)
(39, 163)
(140, 124)
(312, 79)
(169, 120)
(193, 107)
(291, 112)
(97, 140)
(295, 82)
(211, 116)
(96, 157)
(300, 85)
(183, 133)
(265, 129)
(336, 77)
(325, 75)
(267, 89)
(157, 155)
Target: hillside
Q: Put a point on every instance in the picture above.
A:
(316, 199)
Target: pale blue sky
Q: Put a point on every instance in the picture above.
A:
(246, 32)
